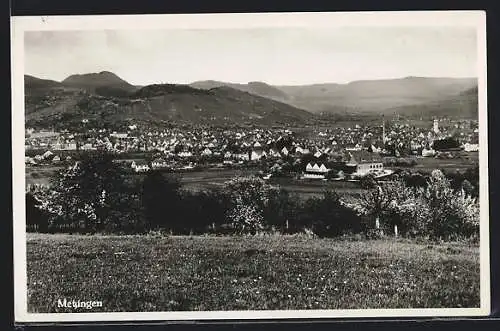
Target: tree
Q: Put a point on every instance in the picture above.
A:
(327, 216)
(160, 200)
(251, 197)
(281, 209)
(91, 194)
(446, 143)
(392, 203)
(35, 216)
(368, 181)
(246, 218)
(467, 187)
(451, 214)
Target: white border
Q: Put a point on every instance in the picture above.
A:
(19, 25)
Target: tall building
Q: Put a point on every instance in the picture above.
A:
(383, 130)
(436, 126)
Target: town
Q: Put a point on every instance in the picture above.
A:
(336, 153)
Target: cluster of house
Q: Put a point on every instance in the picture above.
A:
(358, 165)
(185, 147)
(403, 138)
(46, 158)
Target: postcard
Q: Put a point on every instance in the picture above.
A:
(250, 166)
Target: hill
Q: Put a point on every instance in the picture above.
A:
(91, 81)
(32, 82)
(358, 97)
(161, 102)
(257, 88)
(462, 105)
(376, 95)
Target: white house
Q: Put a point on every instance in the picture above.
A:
(273, 152)
(47, 154)
(315, 168)
(471, 147)
(206, 152)
(315, 171)
(428, 152)
(185, 154)
(159, 164)
(140, 166)
(87, 147)
(257, 154)
(242, 156)
(364, 168)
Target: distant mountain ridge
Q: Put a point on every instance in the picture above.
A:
(103, 78)
(81, 96)
(363, 95)
(257, 101)
(258, 88)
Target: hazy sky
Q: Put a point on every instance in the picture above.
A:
(284, 56)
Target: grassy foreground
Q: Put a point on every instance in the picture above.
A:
(147, 273)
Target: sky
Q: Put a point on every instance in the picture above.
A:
(279, 56)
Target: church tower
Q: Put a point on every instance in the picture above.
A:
(383, 130)
(435, 126)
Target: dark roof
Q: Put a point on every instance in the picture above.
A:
(363, 156)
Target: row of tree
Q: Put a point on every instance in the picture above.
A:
(97, 196)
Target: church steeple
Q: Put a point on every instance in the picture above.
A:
(383, 130)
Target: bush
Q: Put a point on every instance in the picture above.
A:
(436, 211)
(451, 214)
(328, 217)
(246, 218)
(204, 211)
(160, 200)
(91, 197)
(281, 211)
(251, 196)
(368, 181)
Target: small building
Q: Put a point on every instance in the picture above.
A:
(468, 147)
(47, 155)
(140, 166)
(428, 152)
(185, 154)
(257, 154)
(364, 168)
(206, 152)
(315, 171)
(159, 164)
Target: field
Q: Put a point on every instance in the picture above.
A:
(199, 180)
(468, 160)
(41, 175)
(156, 273)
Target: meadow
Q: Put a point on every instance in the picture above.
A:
(194, 273)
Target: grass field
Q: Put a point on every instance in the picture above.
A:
(154, 273)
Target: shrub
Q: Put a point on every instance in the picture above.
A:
(436, 211)
(368, 181)
(160, 200)
(246, 218)
(328, 217)
(251, 196)
(91, 196)
(281, 210)
(451, 213)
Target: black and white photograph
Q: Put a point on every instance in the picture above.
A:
(246, 166)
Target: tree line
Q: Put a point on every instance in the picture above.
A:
(97, 196)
